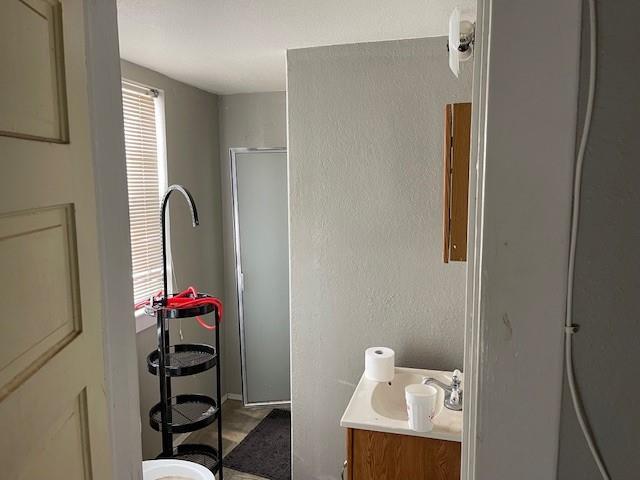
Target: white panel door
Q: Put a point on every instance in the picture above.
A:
(53, 408)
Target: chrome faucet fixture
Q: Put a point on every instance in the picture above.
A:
(452, 393)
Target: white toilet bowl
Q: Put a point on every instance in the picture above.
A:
(174, 470)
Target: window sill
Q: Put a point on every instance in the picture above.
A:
(143, 321)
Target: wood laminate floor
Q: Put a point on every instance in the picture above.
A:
(237, 422)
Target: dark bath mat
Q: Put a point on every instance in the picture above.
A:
(266, 451)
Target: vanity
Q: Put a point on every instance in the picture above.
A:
(381, 446)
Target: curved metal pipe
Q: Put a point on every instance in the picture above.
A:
(163, 221)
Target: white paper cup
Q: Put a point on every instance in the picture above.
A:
(421, 406)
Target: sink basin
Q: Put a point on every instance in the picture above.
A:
(380, 406)
(388, 399)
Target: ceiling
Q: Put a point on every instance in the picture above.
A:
(238, 46)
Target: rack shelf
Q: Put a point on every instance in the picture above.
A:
(189, 412)
(184, 359)
(184, 412)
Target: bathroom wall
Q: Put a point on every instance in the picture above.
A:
(246, 120)
(191, 117)
(112, 210)
(365, 179)
(526, 120)
(606, 300)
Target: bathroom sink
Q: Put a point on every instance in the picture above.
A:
(387, 399)
(381, 406)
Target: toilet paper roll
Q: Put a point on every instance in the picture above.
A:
(379, 364)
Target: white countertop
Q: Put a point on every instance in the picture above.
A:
(364, 409)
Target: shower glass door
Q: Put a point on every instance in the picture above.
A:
(259, 181)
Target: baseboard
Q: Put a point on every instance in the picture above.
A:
(230, 396)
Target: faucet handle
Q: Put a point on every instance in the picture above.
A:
(455, 397)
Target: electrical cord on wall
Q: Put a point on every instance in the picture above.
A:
(570, 327)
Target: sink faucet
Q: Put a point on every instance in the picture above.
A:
(452, 393)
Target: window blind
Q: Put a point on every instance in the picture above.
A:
(143, 181)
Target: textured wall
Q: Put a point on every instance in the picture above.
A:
(246, 120)
(365, 179)
(191, 118)
(606, 301)
(529, 146)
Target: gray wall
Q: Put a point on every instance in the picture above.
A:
(365, 178)
(246, 120)
(526, 120)
(192, 160)
(606, 301)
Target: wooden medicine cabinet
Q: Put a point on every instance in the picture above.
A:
(457, 143)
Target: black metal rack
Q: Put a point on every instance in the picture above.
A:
(185, 412)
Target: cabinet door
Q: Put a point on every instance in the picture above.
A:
(388, 456)
(457, 142)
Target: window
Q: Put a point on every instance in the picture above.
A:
(146, 180)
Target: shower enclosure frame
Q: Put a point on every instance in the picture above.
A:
(238, 270)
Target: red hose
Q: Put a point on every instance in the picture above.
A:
(188, 298)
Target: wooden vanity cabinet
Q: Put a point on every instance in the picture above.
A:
(389, 456)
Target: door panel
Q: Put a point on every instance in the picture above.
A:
(262, 211)
(39, 247)
(33, 101)
(61, 448)
(53, 406)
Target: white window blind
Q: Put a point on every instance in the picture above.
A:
(144, 187)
